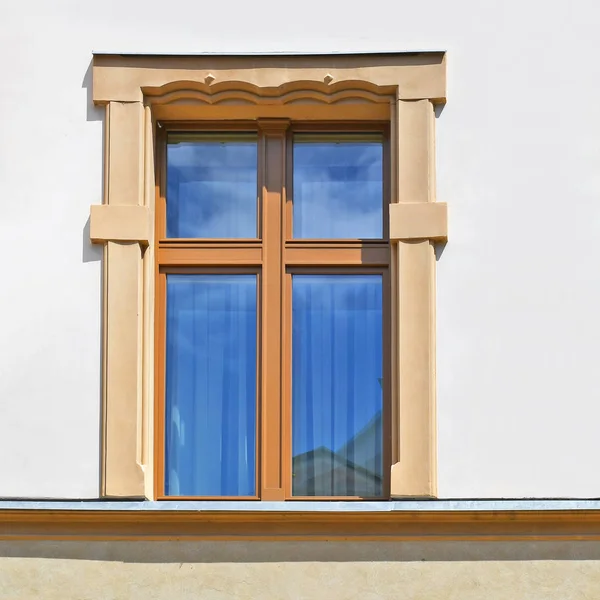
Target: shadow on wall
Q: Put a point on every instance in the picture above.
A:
(94, 252)
(439, 246)
(284, 552)
(91, 252)
(93, 113)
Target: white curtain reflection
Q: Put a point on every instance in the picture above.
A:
(211, 385)
(337, 385)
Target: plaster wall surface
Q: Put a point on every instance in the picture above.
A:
(518, 287)
(297, 571)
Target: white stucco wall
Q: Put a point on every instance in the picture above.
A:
(518, 283)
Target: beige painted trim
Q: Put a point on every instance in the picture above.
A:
(122, 471)
(122, 474)
(120, 223)
(118, 78)
(124, 143)
(139, 91)
(419, 220)
(416, 151)
(304, 110)
(415, 472)
(146, 410)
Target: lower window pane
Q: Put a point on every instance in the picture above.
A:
(337, 391)
(211, 385)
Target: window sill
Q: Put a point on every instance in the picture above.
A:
(477, 520)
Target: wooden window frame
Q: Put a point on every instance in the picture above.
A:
(139, 92)
(271, 252)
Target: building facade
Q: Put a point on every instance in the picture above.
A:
(299, 308)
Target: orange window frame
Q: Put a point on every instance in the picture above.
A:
(274, 256)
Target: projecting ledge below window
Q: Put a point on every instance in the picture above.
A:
(478, 520)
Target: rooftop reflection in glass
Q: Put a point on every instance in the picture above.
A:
(337, 393)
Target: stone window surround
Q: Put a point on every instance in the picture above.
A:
(140, 90)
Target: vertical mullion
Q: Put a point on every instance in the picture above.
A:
(273, 144)
(286, 324)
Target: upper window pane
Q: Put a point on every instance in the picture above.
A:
(211, 185)
(338, 186)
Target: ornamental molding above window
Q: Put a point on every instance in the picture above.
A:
(241, 92)
(139, 93)
(134, 78)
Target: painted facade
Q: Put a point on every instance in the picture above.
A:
(514, 421)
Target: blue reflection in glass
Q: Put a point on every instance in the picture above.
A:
(338, 187)
(211, 185)
(211, 385)
(337, 394)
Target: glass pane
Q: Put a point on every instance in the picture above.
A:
(337, 394)
(211, 385)
(211, 185)
(338, 186)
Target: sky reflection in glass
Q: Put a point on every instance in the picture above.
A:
(211, 385)
(212, 185)
(337, 393)
(338, 186)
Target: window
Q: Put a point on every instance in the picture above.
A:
(269, 313)
(273, 260)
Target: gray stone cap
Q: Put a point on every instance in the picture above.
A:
(304, 506)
